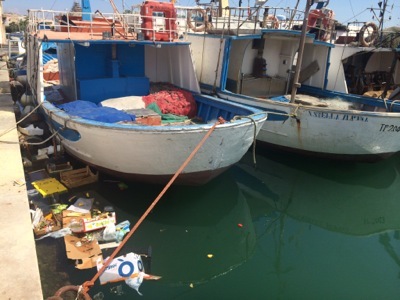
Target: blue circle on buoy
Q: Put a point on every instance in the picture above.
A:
(140, 265)
(131, 269)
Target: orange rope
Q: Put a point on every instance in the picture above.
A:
(88, 284)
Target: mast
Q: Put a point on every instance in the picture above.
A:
(293, 14)
(382, 11)
(296, 84)
(381, 18)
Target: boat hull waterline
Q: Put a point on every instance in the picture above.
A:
(155, 153)
(351, 134)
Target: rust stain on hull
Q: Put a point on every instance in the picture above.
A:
(298, 123)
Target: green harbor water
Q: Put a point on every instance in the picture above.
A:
(289, 228)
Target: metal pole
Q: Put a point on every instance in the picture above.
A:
(296, 84)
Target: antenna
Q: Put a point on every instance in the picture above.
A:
(382, 9)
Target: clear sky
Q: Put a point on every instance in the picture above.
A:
(345, 10)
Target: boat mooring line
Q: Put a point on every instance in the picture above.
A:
(14, 127)
(391, 104)
(281, 114)
(45, 141)
(294, 114)
(254, 135)
(84, 288)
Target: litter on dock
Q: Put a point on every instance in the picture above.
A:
(54, 168)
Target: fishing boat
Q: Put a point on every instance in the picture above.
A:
(365, 59)
(367, 71)
(282, 67)
(128, 102)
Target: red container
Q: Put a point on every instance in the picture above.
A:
(158, 21)
(321, 20)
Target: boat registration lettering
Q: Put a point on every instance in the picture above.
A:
(334, 116)
(389, 128)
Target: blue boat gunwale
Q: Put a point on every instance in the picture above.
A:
(256, 114)
(353, 98)
(116, 41)
(257, 103)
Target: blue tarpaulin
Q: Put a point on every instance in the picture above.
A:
(280, 99)
(91, 111)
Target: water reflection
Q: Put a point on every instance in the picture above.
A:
(334, 232)
(356, 199)
(188, 224)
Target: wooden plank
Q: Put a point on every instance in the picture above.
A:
(308, 71)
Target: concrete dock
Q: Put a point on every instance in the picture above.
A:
(19, 276)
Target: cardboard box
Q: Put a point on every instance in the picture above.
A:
(146, 116)
(86, 253)
(85, 222)
(149, 120)
(68, 216)
(98, 222)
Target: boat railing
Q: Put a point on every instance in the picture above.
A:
(99, 25)
(251, 20)
(210, 19)
(361, 33)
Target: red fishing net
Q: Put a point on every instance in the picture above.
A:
(172, 100)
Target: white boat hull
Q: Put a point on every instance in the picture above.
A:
(155, 153)
(327, 132)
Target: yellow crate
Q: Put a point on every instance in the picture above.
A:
(49, 186)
